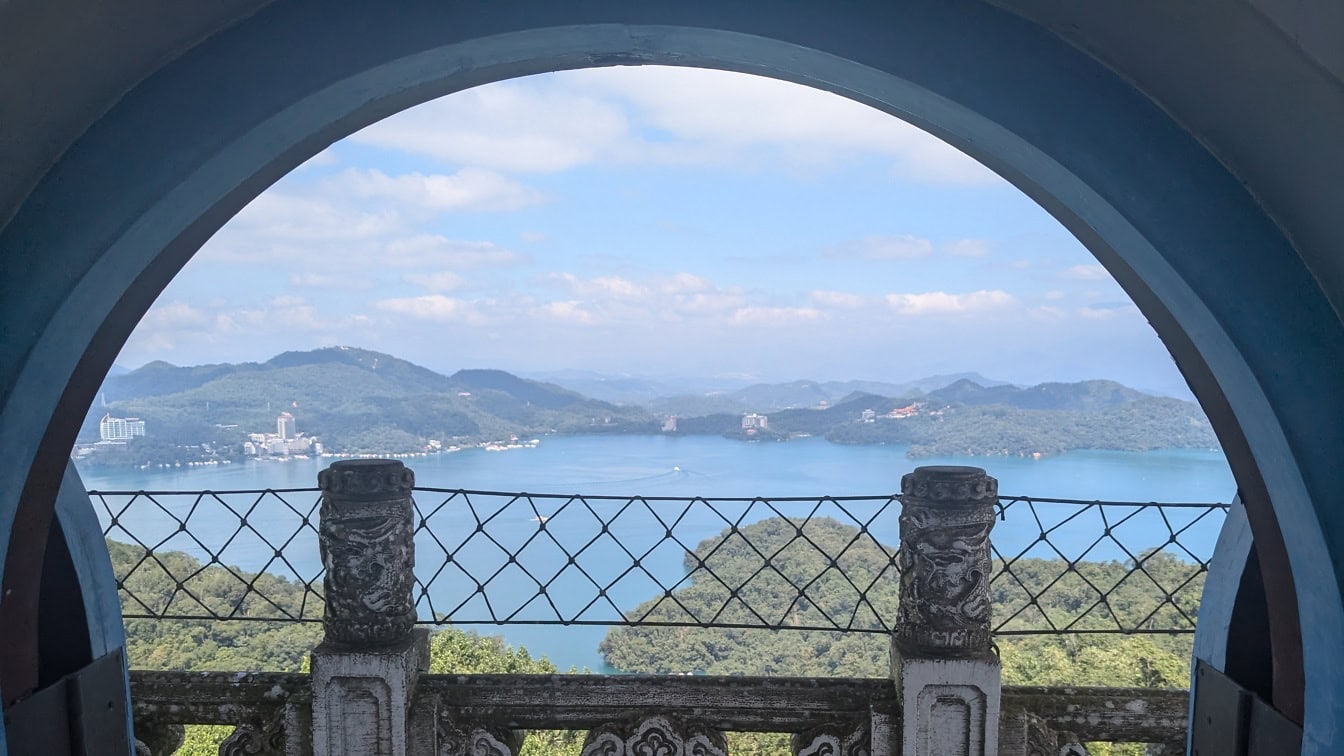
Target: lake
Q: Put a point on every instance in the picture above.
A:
(687, 466)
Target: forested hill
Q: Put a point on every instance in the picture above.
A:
(1063, 590)
(354, 400)
(361, 401)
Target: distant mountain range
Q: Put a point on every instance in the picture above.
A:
(356, 400)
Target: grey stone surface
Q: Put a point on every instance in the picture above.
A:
(158, 738)
(477, 739)
(256, 739)
(657, 734)
(949, 706)
(362, 698)
(835, 739)
(946, 516)
(1022, 733)
(368, 550)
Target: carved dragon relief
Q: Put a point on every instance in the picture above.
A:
(945, 565)
(366, 536)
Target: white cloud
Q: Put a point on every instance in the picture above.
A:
(838, 299)
(324, 158)
(1106, 311)
(174, 315)
(601, 288)
(439, 281)
(882, 247)
(942, 303)
(315, 280)
(966, 247)
(433, 307)
(468, 190)
(176, 328)
(1086, 273)
(776, 316)
(278, 215)
(686, 283)
(555, 122)
(722, 109)
(568, 311)
(523, 125)
(427, 250)
(1054, 295)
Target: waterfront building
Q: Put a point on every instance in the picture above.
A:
(120, 428)
(753, 421)
(284, 425)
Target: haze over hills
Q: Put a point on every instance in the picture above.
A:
(361, 401)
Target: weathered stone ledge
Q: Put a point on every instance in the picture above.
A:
(727, 703)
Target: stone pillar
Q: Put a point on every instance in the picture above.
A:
(947, 676)
(365, 670)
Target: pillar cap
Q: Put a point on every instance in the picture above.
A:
(366, 479)
(950, 484)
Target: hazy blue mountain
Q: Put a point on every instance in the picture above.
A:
(766, 397)
(763, 397)
(1085, 396)
(635, 389)
(693, 405)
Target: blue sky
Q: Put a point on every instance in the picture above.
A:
(662, 222)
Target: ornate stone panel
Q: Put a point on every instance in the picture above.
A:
(367, 524)
(838, 739)
(946, 516)
(476, 739)
(158, 739)
(654, 736)
(256, 739)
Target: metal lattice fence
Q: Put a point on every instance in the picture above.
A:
(496, 558)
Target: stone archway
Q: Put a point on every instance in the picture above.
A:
(133, 198)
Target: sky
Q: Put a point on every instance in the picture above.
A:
(660, 222)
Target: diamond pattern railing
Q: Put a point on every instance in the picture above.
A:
(828, 563)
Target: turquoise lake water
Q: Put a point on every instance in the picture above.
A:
(688, 466)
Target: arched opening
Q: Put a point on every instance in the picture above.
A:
(210, 131)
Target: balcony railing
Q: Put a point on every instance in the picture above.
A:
(497, 558)
(494, 559)
(272, 711)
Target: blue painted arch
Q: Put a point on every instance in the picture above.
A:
(130, 202)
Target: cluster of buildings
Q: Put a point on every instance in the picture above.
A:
(898, 413)
(285, 441)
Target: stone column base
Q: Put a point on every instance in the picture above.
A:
(948, 706)
(362, 697)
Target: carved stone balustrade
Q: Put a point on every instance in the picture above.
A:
(818, 711)
(271, 711)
